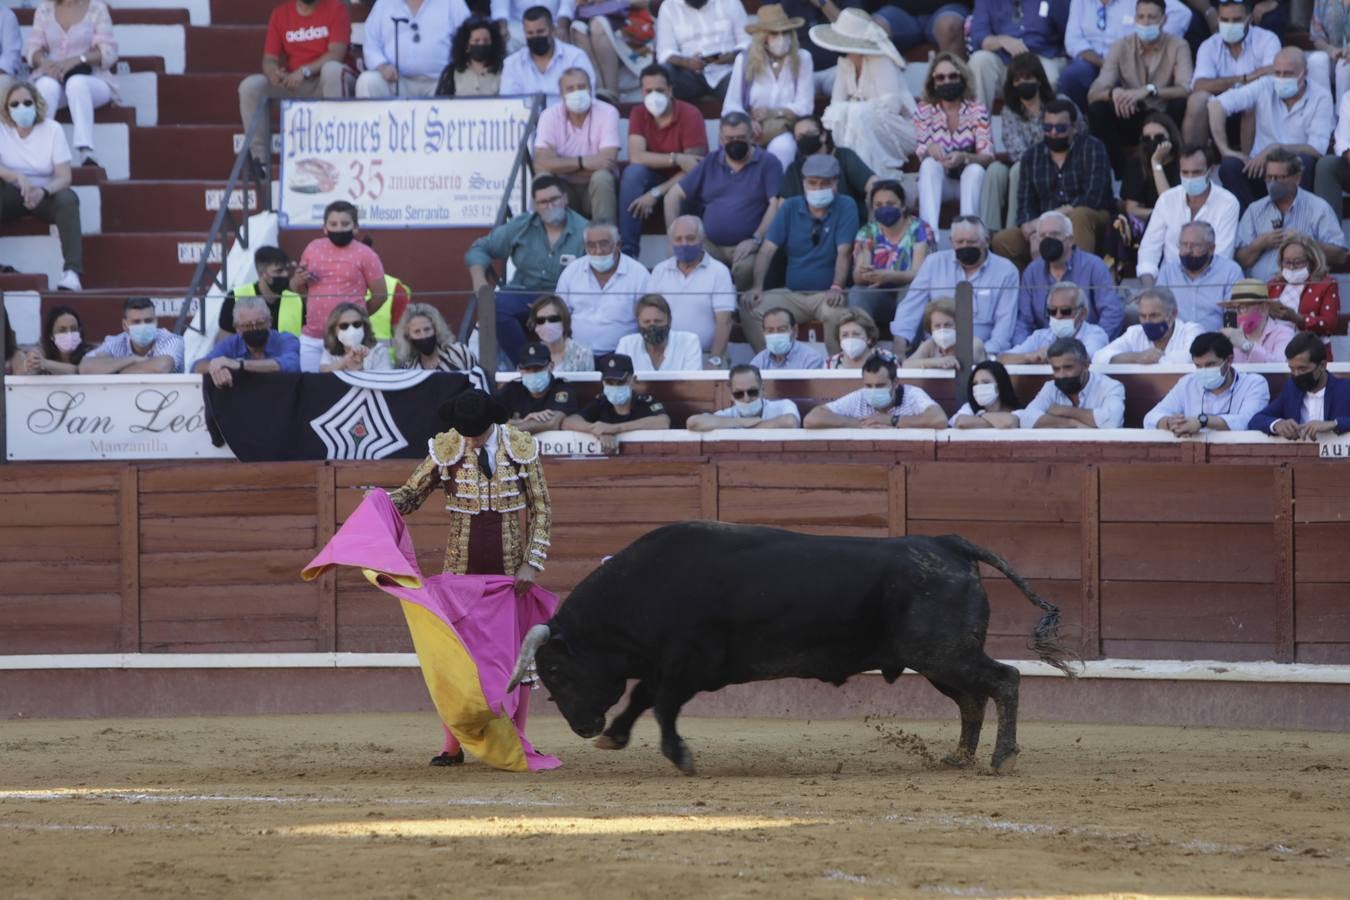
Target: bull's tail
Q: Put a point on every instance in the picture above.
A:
(1047, 641)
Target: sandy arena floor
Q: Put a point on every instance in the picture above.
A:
(345, 806)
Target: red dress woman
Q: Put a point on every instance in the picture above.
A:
(1307, 294)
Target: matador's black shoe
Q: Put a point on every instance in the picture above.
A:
(448, 759)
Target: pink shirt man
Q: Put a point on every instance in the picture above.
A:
(599, 131)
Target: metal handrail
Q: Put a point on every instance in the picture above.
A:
(241, 173)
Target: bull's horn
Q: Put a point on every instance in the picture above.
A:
(534, 639)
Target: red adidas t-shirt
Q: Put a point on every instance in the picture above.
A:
(300, 40)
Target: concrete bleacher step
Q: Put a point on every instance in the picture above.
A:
(225, 48)
(177, 206)
(199, 99)
(122, 15)
(184, 151)
(139, 259)
(12, 282)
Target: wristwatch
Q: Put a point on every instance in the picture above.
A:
(656, 193)
(1203, 419)
(1152, 89)
(1246, 346)
(715, 360)
(84, 59)
(307, 71)
(895, 418)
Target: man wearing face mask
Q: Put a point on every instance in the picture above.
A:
(142, 347)
(855, 178)
(749, 407)
(1238, 53)
(782, 350)
(699, 40)
(1066, 313)
(1196, 199)
(537, 67)
(601, 289)
(702, 299)
(1076, 397)
(1198, 278)
(578, 140)
(1286, 208)
(816, 232)
(734, 190)
(1059, 260)
(540, 400)
(1160, 337)
(1215, 397)
(508, 15)
(287, 308)
(881, 402)
(666, 139)
(618, 409)
(254, 346)
(656, 347)
(1148, 71)
(1293, 113)
(992, 278)
(1312, 402)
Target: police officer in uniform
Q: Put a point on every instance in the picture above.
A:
(618, 408)
(539, 401)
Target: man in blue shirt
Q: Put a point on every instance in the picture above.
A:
(255, 346)
(782, 350)
(816, 233)
(1060, 259)
(1002, 29)
(1215, 397)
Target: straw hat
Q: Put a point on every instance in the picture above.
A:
(855, 32)
(1245, 291)
(771, 18)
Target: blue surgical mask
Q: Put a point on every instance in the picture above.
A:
(1232, 32)
(601, 264)
(878, 397)
(821, 198)
(536, 382)
(24, 116)
(887, 215)
(1286, 87)
(1148, 33)
(618, 394)
(143, 334)
(778, 343)
(1210, 379)
(1194, 187)
(685, 253)
(1154, 330)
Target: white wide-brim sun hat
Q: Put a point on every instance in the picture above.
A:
(855, 32)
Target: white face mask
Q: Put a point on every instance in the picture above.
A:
(1232, 32)
(657, 103)
(985, 393)
(578, 101)
(1295, 276)
(549, 332)
(778, 45)
(749, 409)
(944, 337)
(853, 347)
(351, 337)
(1210, 379)
(1063, 327)
(66, 341)
(601, 264)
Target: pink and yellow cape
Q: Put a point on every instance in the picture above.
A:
(466, 630)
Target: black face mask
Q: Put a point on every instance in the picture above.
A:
(1306, 382)
(279, 283)
(968, 256)
(256, 339)
(655, 334)
(480, 52)
(809, 144)
(1051, 249)
(1194, 263)
(737, 150)
(1057, 144)
(340, 238)
(1070, 385)
(1149, 144)
(697, 4)
(950, 90)
(424, 345)
(539, 46)
(1027, 89)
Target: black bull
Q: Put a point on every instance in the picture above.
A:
(699, 605)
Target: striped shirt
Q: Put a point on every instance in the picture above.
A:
(972, 134)
(118, 346)
(913, 401)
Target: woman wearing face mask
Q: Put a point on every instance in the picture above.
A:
(551, 324)
(63, 343)
(423, 341)
(1156, 170)
(1308, 296)
(655, 348)
(349, 345)
(35, 174)
(856, 334)
(991, 401)
(772, 81)
(938, 351)
(955, 141)
(335, 269)
(1258, 337)
(476, 56)
(887, 252)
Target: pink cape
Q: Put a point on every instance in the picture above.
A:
(466, 629)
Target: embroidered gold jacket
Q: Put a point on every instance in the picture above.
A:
(516, 484)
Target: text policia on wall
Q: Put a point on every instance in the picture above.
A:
(406, 163)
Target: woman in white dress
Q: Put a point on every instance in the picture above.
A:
(773, 81)
(871, 110)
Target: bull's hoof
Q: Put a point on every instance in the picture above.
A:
(611, 742)
(683, 759)
(958, 760)
(1005, 764)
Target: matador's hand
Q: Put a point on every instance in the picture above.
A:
(524, 579)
